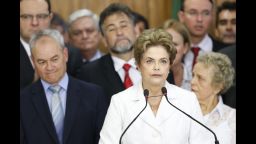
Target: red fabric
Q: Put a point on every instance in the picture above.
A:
(195, 50)
(127, 79)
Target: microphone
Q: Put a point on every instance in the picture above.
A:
(164, 91)
(146, 93)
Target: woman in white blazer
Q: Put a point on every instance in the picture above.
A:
(159, 123)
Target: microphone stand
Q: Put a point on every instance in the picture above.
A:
(146, 92)
(165, 94)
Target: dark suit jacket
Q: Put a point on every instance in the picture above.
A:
(217, 45)
(74, 60)
(229, 97)
(102, 72)
(84, 116)
(26, 68)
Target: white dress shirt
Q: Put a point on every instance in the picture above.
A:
(63, 93)
(222, 120)
(169, 126)
(133, 72)
(206, 45)
(187, 77)
(27, 49)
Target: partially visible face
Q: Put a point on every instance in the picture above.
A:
(34, 16)
(154, 66)
(139, 28)
(119, 33)
(201, 82)
(180, 46)
(227, 26)
(197, 16)
(49, 59)
(84, 34)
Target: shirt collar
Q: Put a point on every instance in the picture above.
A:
(97, 55)
(205, 44)
(118, 63)
(139, 89)
(219, 108)
(63, 83)
(26, 46)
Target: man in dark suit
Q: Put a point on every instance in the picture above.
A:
(35, 15)
(74, 114)
(118, 29)
(229, 98)
(197, 16)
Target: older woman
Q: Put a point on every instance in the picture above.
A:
(181, 39)
(160, 123)
(212, 76)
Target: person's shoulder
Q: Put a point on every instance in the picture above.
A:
(97, 64)
(228, 109)
(228, 49)
(218, 45)
(127, 94)
(179, 90)
(83, 84)
(31, 90)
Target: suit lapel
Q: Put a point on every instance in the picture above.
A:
(41, 105)
(147, 115)
(112, 77)
(72, 105)
(165, 112)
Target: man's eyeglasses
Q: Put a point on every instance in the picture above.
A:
(39, 17)
(194, 14)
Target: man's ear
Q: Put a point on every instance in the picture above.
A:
(65, 52)
(181, 16)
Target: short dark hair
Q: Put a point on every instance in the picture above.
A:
(183, 1)
(140, 18)
(227, 5)
(49, 5)
(112, 9)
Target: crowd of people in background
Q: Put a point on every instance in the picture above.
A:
(84, 80)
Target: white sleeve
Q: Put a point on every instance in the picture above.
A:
(198, 133)
(112, 127)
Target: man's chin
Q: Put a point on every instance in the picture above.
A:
(121, 50)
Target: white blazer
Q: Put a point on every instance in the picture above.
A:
(169, 126)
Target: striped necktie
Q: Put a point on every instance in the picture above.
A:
(57, 111)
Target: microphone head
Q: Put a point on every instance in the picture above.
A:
(146, 92)
(164, 91)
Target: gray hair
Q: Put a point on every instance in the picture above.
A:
(83, 13)
(54, 34)
(223, 73)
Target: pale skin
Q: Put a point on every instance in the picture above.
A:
(197, 16)
(49, 59)
(202, 86)
(182, 48)
(29, 27)
(85, 36)
(226, 29)
(119, 32)
(154, 68)
(33, 7)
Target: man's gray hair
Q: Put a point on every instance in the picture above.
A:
(83, 13)
(54, 34)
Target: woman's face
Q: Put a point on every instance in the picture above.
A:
(201, 82)
(180, 46)
(154, 66)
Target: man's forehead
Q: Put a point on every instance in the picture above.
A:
(33, 6)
